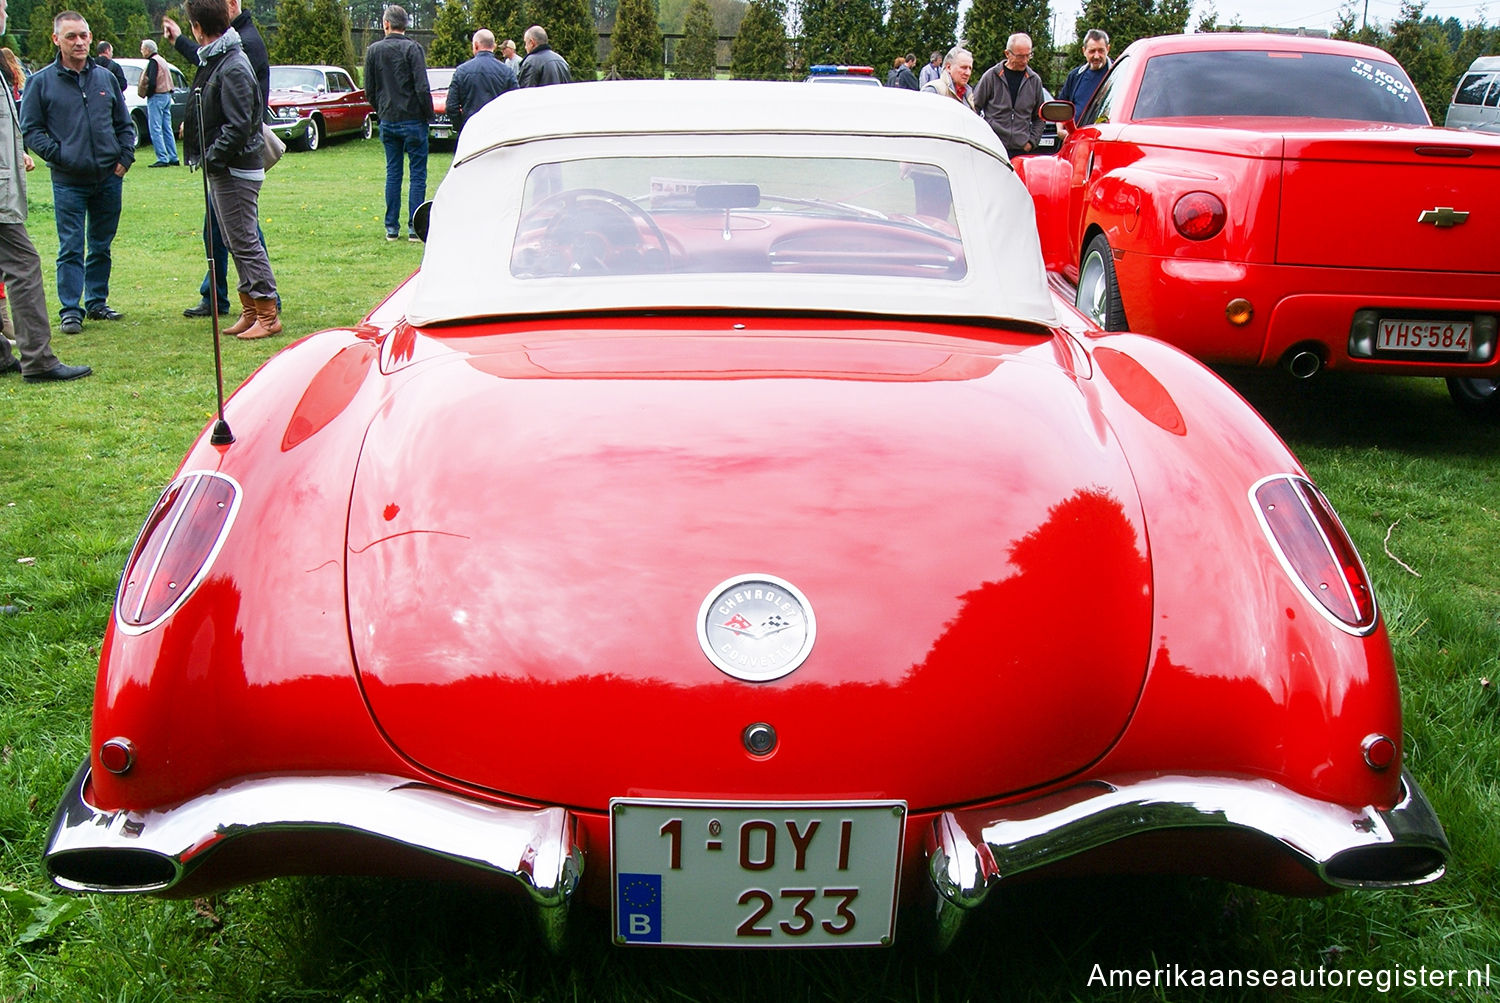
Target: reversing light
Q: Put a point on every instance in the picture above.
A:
(1198, 215)
(176, 548)
(1362, 331)
(1315, 550)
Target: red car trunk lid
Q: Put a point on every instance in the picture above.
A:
(532, 534)
(1404, 201)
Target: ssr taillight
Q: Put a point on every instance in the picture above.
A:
(1199, 215)
(176, 548)
(1315, 550)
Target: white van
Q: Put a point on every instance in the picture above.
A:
(1476, 100)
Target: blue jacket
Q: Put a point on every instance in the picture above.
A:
(77, 122)
(476, 83)
(1080, 86)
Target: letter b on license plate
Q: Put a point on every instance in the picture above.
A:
(701, 874)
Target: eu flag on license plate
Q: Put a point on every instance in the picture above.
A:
(640, 908)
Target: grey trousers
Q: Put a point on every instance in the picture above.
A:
(21, 270)
(236, 205)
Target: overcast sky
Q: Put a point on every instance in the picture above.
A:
(1296, 13)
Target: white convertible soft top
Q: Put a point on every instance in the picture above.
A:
(466, 271)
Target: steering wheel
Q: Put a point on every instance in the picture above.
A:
(602, 232)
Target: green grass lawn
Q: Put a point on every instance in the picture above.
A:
(81, 463)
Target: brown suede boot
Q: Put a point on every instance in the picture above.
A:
(247, 317)
(267, 322)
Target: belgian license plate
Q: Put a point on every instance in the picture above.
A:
(738, 874)
(440, 133)
(1425, 336)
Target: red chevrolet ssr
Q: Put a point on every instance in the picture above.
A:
(1266, 199)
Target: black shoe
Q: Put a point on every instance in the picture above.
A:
(206, 309)
(57, 373)
(105, 313)
(11, 365)
(393, 236)
(161, 163)
(71, 325)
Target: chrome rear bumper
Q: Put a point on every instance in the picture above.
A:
(970, 851)
(152, 851)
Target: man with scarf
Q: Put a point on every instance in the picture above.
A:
(222, 134)
(255, 50)
(953, 81)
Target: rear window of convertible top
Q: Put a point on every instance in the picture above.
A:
(683, 215)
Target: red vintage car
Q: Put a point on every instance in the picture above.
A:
(1269, 199)
(724, 528)
(438, 80)
(310, 104)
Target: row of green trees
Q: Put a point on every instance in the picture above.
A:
(772, 39)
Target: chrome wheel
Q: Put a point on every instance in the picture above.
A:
(369, 130)
(1098, 291)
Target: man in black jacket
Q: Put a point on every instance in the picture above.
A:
(228, 112)
(255, 50)
(73, 116)
(396, 84)
(542, 66)
(479, 80)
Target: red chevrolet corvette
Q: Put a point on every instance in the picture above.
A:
(732, 527)
(1270, 199)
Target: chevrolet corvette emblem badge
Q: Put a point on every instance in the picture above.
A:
(1443, 217)
(756, 627)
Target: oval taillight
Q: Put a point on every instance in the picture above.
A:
(1198, 215)
(176, 547)
(1315, 549)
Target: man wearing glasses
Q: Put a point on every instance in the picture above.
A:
(1008, 96)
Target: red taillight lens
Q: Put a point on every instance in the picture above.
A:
(1316, 550)
(176, 547)
(1198, 215)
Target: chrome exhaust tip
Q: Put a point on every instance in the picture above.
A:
(1303, 365)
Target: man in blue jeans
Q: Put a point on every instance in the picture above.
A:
(73, 116)
(396, 84)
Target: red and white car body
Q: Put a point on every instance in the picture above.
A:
(310, 104)
(725, 528)
(1263, 199)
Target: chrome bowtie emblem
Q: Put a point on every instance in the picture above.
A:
(1443, 217)
(756, 627)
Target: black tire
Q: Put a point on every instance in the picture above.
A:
(369, 129)
(142, 129)
(1098, 289)
(1476, 398)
